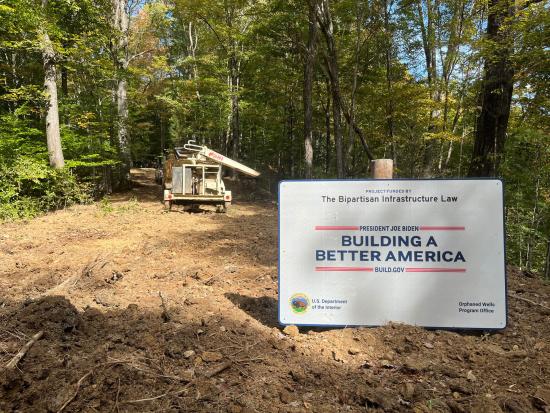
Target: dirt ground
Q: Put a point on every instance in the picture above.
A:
(91, 277)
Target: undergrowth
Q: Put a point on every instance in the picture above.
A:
(29, 187)
(106, 207)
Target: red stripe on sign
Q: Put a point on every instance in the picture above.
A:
(367, 269)
(442, 228)
(435, 269)
(335, 228)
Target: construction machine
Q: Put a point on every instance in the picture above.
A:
(192, 175)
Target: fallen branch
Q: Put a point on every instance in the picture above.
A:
(217, 370)
(87, 271)
(13, 362)
(78, 384)
(250, 360)
(528, 301)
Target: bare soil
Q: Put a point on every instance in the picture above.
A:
(91, 277)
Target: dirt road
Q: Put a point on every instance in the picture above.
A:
(91, 277)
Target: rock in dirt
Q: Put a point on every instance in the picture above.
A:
(187, 375)
(211, 356)
(291, 331)
(413, 365)
(354, 351)
(231, 269)
(377, 398)
(298, 376)
(388, 356)
(188, 354)
(286, 397)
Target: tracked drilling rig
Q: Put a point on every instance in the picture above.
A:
(192, 175)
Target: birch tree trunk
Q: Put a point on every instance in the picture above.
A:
(53, 136)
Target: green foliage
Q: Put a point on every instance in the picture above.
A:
(528, 198)
(107, 207)
(29, 187)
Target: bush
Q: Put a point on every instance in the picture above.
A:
(29, 187)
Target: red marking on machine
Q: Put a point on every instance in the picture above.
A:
(215, 155)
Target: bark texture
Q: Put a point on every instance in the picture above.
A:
(121, 21)
(324, 17)
(496, 93)
(53, 136)
(309, 68)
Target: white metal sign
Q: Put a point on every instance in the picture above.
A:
(421, 252)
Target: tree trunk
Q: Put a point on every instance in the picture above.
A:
(337, 119)
(427, 31)
(389, 78)
(64, 81)
(309, 68)
(192, 51)
(291, 133)
(350, 151)
(327, 131)
(122, 60)
(324, 18)
(235, 112)
(122, 112)
(534, 218)
(53, 136)
(496, 93)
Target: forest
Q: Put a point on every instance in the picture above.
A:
(294, 89)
